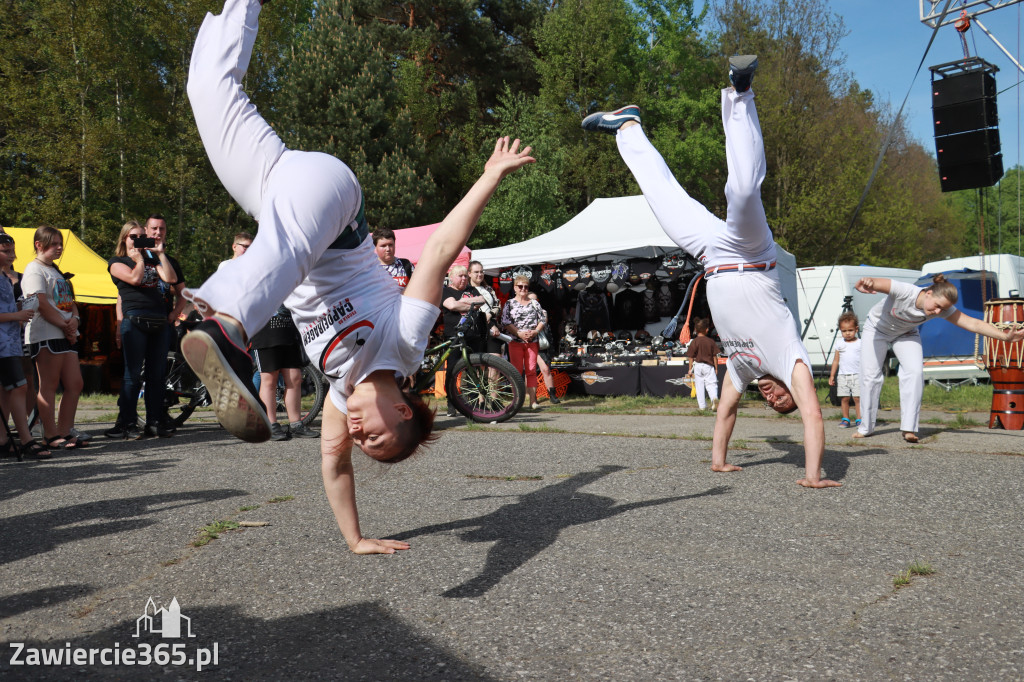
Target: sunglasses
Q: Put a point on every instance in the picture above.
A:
(522, 286)
(6, 239)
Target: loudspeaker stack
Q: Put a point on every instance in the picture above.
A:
(966, 124)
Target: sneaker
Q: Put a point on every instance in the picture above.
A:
(133, 433)
(553, 398)
(157, 431)
(300, 430)
(611, 121)
(741, 71)
(118, 431)
(82, 436)
(278, 432)
(844, 423)
(225, 368)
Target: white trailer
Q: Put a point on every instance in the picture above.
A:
(1009, 270)
(833, 285)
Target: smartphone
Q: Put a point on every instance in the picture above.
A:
(143, 242)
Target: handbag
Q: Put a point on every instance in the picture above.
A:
(543, 342)
(148, 324)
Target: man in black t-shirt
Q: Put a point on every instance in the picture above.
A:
(456, 299)
(156, 228)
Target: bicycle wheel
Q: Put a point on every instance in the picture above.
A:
(488, 389)
(314, 391)
(184, 391)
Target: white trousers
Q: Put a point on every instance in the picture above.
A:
(303, 201)
(744, 235)
(705, 379)
(907, 348)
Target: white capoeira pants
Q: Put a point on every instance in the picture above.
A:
(704, 379)
(907, 348)
(744, 235)
(303, 201)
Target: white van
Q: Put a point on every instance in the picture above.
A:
(821, 330)
(1009, 269)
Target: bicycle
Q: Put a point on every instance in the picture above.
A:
(483, 387)
(184, 391)
(314, 383)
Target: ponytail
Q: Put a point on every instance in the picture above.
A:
(941, 287)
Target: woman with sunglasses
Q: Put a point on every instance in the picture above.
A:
(143, 329)
(523, 319)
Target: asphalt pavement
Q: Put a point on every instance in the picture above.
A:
(555, 546)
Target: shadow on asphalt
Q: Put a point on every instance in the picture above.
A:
(524, 529)
(360, 642)
(43, 531)
(835, 463)
(15, 604)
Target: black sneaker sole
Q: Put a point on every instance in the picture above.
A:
(236, 408)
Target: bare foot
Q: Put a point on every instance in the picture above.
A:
(858, 434)
(823, 483)
(911, 437)
(725, 467)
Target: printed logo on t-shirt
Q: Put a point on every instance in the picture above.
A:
(338, 313)
(398, 273)
(343, 346)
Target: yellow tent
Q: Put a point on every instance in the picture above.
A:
(92, 282)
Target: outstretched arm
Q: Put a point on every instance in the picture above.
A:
(444, 245)
(976, 326)
(340, 484)
(873, 285)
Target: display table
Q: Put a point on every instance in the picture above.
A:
(655, 380)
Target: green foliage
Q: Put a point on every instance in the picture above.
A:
(95, 127)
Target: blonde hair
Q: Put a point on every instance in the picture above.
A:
(521, 278)
(942, 287)
(121, 250)
(457, 270)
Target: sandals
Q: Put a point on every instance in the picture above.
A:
(68, 442)
(34, 448)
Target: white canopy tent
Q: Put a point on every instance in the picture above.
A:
(612, 229)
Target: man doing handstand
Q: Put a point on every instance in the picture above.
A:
(738, 254)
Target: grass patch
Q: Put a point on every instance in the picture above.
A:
(248, 508)
(213, 531)
(962, 421)
(697, 435)
(917, 568)
(280, 498)
(504, 478)
(966, 398)
(540, 429)
(920, 568)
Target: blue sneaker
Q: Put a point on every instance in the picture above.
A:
(611, 121)
(741, 71)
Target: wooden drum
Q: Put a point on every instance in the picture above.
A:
(1005, 364)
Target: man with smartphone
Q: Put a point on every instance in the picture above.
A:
(154, 249)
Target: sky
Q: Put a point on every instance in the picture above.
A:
(887, 40)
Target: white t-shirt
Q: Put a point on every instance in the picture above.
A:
(354, 320)
(757, 330)
(44, 280)
(898, 313)
(849, 356)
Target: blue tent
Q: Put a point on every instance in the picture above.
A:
(941, 339)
